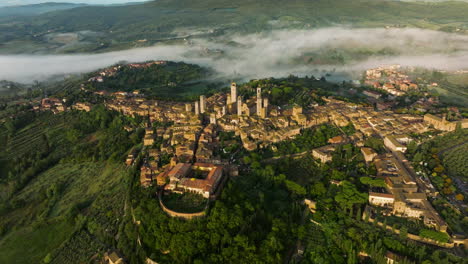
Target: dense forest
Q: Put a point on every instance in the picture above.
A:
(171, 80)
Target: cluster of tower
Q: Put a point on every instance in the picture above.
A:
(234, 104)
(233, 100)
(200, 106)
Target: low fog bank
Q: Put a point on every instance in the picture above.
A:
(344, 51)
(28, 68)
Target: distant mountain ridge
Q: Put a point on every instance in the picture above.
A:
(49, 3)
(13, 3)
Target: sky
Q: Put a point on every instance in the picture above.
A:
(29, 2)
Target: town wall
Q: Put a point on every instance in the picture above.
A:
(187, 216)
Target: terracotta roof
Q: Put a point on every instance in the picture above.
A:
(179, 170)
(208, 184)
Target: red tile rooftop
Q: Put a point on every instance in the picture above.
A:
(180, 170)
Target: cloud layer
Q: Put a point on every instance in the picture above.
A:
(273, 54)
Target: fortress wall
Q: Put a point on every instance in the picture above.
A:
(187, 216)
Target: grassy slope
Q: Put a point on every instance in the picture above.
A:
(449, 97)
(454, 90)
(29, 243)
(121, 26)
(458, 79)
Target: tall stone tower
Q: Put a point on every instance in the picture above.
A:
(197, 108)
(233, 92)
(239, 105)
(202, 104)
(188, 107)
(259, 101)
(223, 111)
(265, 103)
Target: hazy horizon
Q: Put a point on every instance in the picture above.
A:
(89, 2)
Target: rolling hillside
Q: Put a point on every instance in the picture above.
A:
(119, 27)
(36, 9)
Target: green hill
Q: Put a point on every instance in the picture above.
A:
(57, 198)
(119, 27)
(175, 80)
(31, 10)
(46, 215)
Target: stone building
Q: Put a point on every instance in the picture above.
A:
(83, 107)
(408, 200)
(324, 154)
(197, 108)
(202, 104)
(188, 107)
(148, 140)
(186, 177)
(233, 95)
(113, 258)
(394, 143)
(381, 199)
(259, 101)
(443, 124)
(239, 106)
(369, 154)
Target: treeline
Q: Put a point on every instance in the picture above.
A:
(169, 80)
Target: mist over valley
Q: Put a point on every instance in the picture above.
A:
(341, 51)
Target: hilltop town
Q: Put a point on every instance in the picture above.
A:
(239, 131)
(189, 151)
(191, 138)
